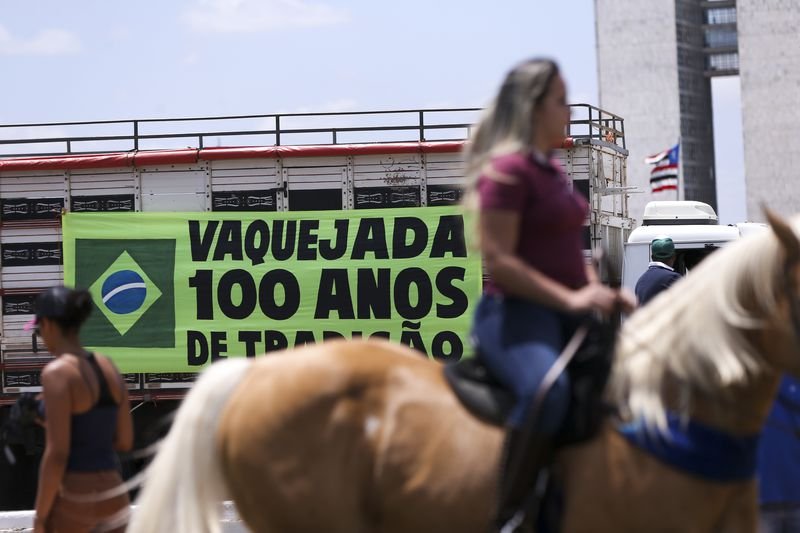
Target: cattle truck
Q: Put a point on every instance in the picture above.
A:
(257, 163)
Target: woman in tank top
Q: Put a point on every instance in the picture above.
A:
(87, 420)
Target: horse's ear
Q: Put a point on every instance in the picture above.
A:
(785, 234)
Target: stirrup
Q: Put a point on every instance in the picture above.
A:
(513, 524)
(523, 518)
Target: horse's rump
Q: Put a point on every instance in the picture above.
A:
(364, 433)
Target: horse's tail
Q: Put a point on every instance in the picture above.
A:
(184, 483)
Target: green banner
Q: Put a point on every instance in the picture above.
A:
(175, 291)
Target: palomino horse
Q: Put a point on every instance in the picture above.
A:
(363, 436)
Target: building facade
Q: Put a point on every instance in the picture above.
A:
(769, 50)
(655, 64)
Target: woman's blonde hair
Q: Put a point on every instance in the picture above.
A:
(507, 124)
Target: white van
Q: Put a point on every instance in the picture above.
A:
(692, 226)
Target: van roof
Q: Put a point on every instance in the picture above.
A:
(684, 233)
(748, 228)
(678, 212)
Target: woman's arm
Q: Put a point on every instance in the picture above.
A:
(591, 273)
(625, 298)
(58, 414)
(123, 436)
(499, 234)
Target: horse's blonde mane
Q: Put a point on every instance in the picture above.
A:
(696, 332)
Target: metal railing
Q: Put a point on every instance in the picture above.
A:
(591, 122)
(59, 138)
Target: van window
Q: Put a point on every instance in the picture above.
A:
(687, 259)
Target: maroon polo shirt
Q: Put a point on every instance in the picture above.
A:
(552, 215)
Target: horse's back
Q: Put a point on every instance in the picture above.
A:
(354, 436)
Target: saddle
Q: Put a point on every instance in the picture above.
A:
(479, 391)
(481, 394)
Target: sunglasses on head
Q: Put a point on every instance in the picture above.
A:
(35, 327)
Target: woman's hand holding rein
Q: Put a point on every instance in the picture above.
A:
(597, 297)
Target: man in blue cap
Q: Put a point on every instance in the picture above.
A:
(659, 274)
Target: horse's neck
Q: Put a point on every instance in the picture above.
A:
(744, 408)
(740, 410)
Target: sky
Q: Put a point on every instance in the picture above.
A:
(89, 60)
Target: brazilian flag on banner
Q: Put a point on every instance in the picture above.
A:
(174, 291)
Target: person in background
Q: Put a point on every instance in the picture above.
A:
(530, 222)
(779, 463)
(660, 274)
(87, 420)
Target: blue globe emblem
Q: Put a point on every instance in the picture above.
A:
(124, 292)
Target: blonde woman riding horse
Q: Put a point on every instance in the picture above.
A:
(363, 436)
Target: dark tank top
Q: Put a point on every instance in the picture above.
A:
(92, 437)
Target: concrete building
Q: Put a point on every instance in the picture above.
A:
(655, 63)
(769, 59)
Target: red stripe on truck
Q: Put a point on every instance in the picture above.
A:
(69, 162)
(192, 155)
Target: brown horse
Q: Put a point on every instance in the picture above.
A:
(365, 436)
